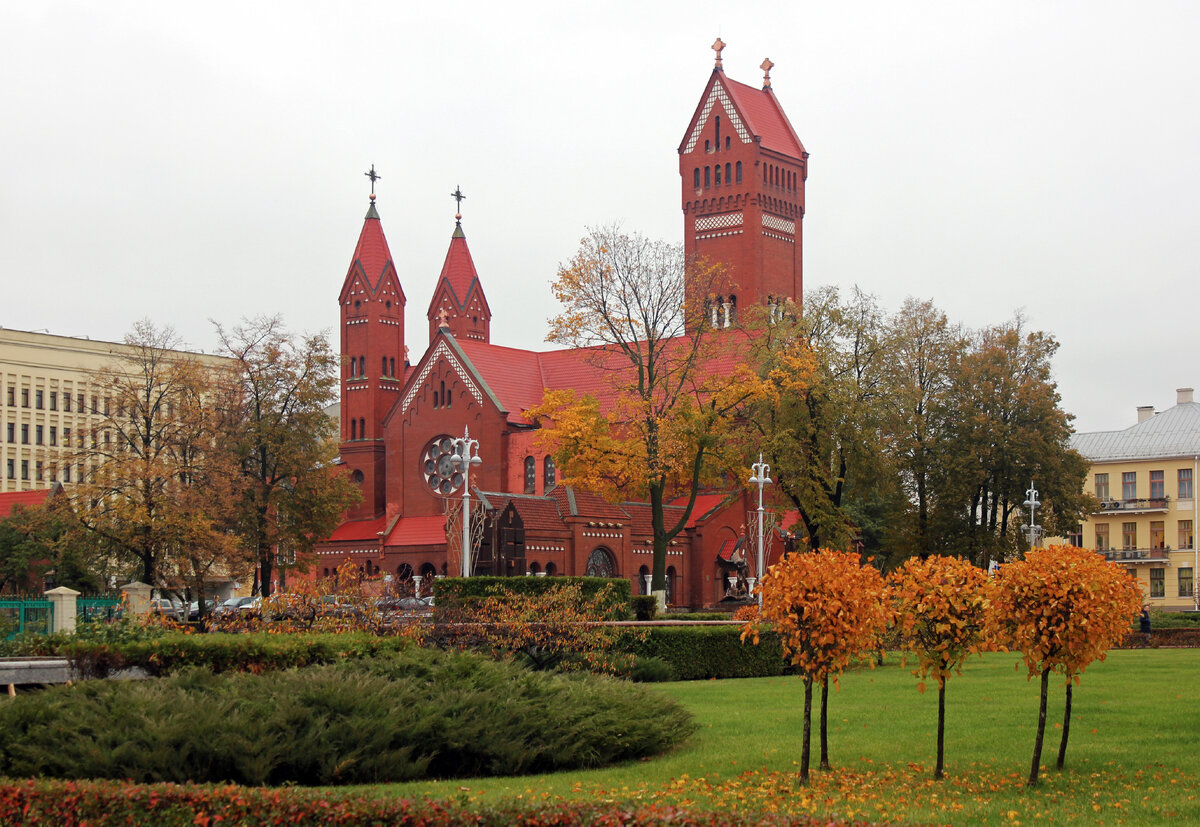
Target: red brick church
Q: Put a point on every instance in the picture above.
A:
(742, 171)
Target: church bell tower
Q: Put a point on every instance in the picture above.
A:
(742, 170)
(371, 306)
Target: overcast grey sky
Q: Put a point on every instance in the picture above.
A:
(204, 161)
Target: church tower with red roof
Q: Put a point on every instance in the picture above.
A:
(458, 303)
(373, 358)
(743, 171)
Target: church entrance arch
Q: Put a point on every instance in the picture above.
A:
(600, 563)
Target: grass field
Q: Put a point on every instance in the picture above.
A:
(1132, 757)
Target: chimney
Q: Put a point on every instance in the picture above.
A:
(1183, 395)
(1145, 412)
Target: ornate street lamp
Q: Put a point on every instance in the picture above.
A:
(466, 454)
(1033, 531)
(761, 471)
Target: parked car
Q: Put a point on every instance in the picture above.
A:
(193, 614)
(231, 606)
(167, 607)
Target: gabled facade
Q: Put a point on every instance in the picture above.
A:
(1144, 480)
(399, 448)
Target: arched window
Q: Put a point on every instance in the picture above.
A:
(392, 372)
(600, 563)
(428, 571)
(548, 473)
(551, 569)
(530, 476)
(534, 568)
(362, 365)
(362, 428)
(708, 146)
(717, 175)
(728, 177)
(766, 178)
(643, 582)
(354, 429)
(671, 578)
(707, 177)
(727, 142)
(357, 305)
(357, 476)
(718, 133)
(383, 367)
(696, 177)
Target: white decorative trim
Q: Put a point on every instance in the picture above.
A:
(783, 225)
(442, 349)
(544, 549)
(717, 94)
(786, 238)
(718, 235)
(713, 222)
(612, 535)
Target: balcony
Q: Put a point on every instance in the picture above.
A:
(1143, 505)
(1134, 556)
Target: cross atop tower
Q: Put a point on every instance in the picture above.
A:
(717, 46)
(766, 66)
(458, 198)
(374, 176)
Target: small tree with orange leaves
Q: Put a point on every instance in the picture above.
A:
(940, 608)
(1062, 608)
(827, 608)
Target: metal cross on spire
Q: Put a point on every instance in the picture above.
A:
(374, 176)
(717, 46)
(766, 66)
(458, 198)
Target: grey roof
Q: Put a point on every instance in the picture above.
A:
(1174, 432)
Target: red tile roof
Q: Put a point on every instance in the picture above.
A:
(537, 513)
(705, 505)
(765, 118)
(372, 251)
(520, 378)
(418, 531)
(358, 530)
(25, 499)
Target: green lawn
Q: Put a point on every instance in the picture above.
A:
(1131, 759)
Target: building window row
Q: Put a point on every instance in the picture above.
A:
(713, 177)
(1158, 485)
(780, 178)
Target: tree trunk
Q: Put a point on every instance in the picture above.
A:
(1062, 747)
(1041, 731)
(939, 771)
(805, 737)
(825, 723)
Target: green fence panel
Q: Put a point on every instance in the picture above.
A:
(19, 616)
(89, 609)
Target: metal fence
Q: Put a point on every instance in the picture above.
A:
(89, 609)
(25, 615)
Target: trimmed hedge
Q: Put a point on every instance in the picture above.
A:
(700, 652)
(645, 606)
(1180, 638)
(74, 804)
(219, 652)
(421, 714)
(452, 592)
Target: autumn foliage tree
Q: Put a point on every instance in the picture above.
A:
(1062, 608)
(827, 608)
(673, 383)
(940, 606)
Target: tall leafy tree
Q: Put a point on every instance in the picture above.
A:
(818, 415)
(284, 444)
(675, 383)
(1008, 430)
(148, 493)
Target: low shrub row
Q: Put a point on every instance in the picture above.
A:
(1184, 638)
(418, 714)
(456, 593)
(74, 804)
(218, 652)
(701, 652)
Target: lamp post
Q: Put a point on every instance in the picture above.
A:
(761, 471)
(1033, 531)
(466, 454)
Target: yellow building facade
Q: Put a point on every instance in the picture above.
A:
(1144, 478)
(49, 400)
